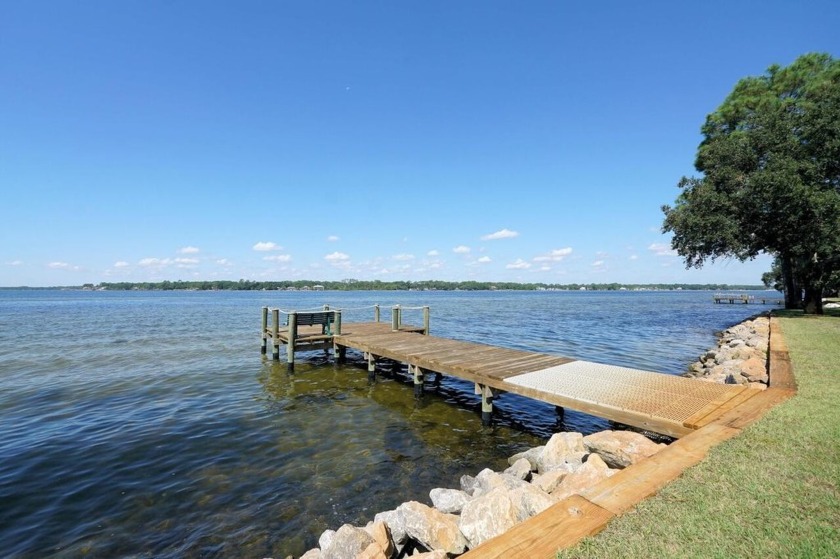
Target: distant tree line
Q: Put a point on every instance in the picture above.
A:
(378, 285)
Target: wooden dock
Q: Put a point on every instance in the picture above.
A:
(744, 299)
(663, 403)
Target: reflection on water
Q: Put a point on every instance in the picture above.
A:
(148, 424)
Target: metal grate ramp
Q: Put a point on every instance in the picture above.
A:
(656, 395)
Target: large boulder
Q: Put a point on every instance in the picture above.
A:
(488, 480)
(531, 455)
(620, 449)
(432, 528)
(561, 451)
(521, 469)
(549, 481)
(529, 501)
(395, 524)
(488, 516)
(449, 501)
(754, 370)
(347, 543)
(593, 471)
(382, 536)
(325, 539)
(468, 484)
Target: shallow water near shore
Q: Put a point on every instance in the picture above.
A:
(147, 424)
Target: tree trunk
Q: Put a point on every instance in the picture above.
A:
(813, 300)
(792, 290)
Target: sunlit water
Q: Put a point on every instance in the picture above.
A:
(149, 425)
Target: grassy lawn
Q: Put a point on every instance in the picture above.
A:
(773, 491)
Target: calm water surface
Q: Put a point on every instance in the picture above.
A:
(149, 425)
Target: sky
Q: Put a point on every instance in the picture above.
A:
(278, 140)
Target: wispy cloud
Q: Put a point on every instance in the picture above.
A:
(186, 261)
(403, 257)
(661, 249)
(14, 263)
(501, 234)
(634, 257)
(333, 238)
(433, 253)
(58, 265)
(189, 250)
(224, 262)
(278, 257)
(598, 264)
(265, 246)
(461, 249)
(555, 255)
(336, 257)
(149, 262)
(484, 260)
(519, 264)
(121, 264)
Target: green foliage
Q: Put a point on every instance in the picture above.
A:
(770, 160)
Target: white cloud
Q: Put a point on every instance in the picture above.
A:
(189, 250)
(555, 255)
(333, 238)
(433, 253)
(58, 265)
(121, 264)
(186, 261)
(336, 257)
(518, 265)
(461, 249)
(634, 257)
(278, 257)
(484, 259)
(403, 257)
(597, 263)
(661, 249)
(14, 263)
(264, 246)
(154, 262)
(501, 234)
(224, 262)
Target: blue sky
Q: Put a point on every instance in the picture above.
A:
(498, 141)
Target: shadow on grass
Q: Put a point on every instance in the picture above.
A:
(785, 313)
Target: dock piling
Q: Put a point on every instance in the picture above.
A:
(486, 403)
(376, 313)
(275, 334)
(395, 318)
(263, 331)
(371, 364)
(418, 380)
(290, 345)
(426, 320)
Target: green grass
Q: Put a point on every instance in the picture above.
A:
(773, 491)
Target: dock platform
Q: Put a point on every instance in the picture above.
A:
(663, 403)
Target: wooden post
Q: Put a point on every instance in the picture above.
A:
(426, 320)
(486, 403)
(376, 313)
(339, 351)
(418, 380)
(371, 360)
(264, 331)
(337, 323)
(561, 412)
(290, 346)
(395, 318)
(275, 334)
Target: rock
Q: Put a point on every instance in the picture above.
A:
(620, 449)
(549, 481)
(529, 501)
(396, 527)
(738, 342)
(373, 551)
(432, 528)
(531, 455)
(521, 469)
(592, 471)
(561, 449)
(450, 501)
(488, 516)
(487, 480)
(326, 538)
(468, 484)
(314, 553)
(381, 535)
(754, 370)
(347, 543)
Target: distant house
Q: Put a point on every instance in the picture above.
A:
(317, 288)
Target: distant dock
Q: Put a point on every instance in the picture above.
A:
(667, 404)
(743, 298)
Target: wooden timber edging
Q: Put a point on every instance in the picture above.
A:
(565, 524)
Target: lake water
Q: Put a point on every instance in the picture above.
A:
(147, 424)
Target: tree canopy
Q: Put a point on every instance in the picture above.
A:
(770, 183)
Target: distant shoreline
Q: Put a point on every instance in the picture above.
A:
(360, 285)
